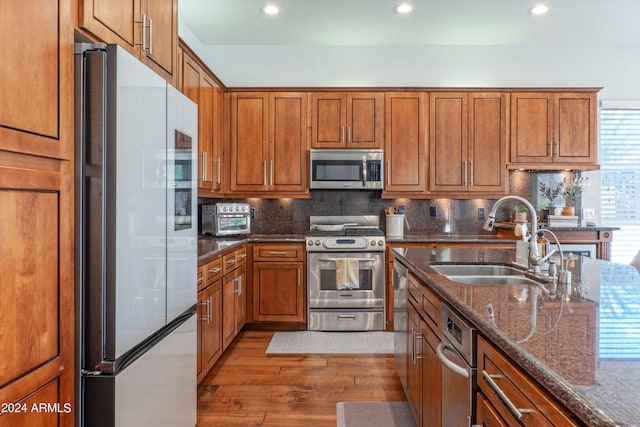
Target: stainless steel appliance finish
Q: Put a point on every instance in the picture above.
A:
(332, 307)
(136, 243)
(347, 169)
(400, 320)
(457, 352)
(225, 219)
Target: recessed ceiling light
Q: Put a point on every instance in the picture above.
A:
(403, 8)
(539, 9)
(271, 9)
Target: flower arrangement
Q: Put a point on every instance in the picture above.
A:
(550, 192)
(571, 190)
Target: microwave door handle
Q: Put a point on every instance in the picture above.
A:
(364, 171)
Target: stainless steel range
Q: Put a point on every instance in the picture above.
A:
(345, 273)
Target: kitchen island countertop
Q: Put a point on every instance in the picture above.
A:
(584, 347)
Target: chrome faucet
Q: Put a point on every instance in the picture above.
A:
(534, 255)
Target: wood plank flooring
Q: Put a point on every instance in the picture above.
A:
(248, 388)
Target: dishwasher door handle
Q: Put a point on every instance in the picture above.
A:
(448, 363)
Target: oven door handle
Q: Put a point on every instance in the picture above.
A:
(335, 259)
(448, 363)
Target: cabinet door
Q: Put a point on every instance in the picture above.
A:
(228, 309)
(161, 36)
(216, 146)
(488, 142)
(486, 415)
(249, 141)
(575, 131)
(278, 292)
(241, 298)
(36, 78)
(288, 142)
(531, 127)
(365, 120)
(431, 378)
(112, 21)
(448, 141)
(405, 143)
(206, 131)
(328, 119)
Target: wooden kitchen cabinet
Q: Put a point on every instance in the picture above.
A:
(209, 328)
(269, 143)
(147, 29)
(468, 142)
(414, 364)
(497, 374)
(234, 295)
(347, 119)
(199, 85)
(36, 212)
(405, 146)
(278, 283)
(554, 130)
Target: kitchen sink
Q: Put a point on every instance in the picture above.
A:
(493, 280)
(476, 270)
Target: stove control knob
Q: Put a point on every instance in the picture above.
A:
(310, 242)
(380, 243)
(373, 243)
(317, 242)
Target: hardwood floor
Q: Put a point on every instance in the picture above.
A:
(248, 388)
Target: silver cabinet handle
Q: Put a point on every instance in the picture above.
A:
(264, 172)
(516, 412)
(277, 253)
(342, 137)
(551, 147)
(150, 36)
(270, 172)
(298, 273)
(471, 172)
(388, 172)
(200, 280)
(349, 134)
(144, 30)
(207, 303)
(214, 270)
(464, 173)
(239, 288)
(219, 169)
(558, 148)
(448, 363)
(231, 261)
(204, 166)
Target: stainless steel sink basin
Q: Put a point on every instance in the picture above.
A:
(493, 280)
(476, 270)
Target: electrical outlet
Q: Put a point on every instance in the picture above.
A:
(253, 213)
(481, 213)
(433, 211)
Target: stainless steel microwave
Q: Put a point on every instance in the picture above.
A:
(347, 169)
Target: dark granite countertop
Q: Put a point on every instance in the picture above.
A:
(210, 247)
(584, 346)
(511, 225)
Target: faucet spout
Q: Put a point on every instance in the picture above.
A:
(534, 255)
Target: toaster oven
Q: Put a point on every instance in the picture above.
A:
(225, 219)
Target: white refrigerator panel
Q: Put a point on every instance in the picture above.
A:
(182, 222)
(159, 389)
(140, 197)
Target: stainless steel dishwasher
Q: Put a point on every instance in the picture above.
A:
(457, 352)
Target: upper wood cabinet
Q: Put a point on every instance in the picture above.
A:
(347, 120)
(269, 148)
(468, 142)
(148, 29)
(199, 85)
(554, 130)
(405, 147)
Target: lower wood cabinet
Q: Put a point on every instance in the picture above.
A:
(278, 283)
(210, 328)
(499, 381)
(234, 296)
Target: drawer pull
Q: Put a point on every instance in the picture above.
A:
(277, 253)
(215, 270)
(516, 412)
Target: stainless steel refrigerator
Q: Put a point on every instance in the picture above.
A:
(136, 243)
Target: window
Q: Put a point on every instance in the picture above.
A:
(620, 171)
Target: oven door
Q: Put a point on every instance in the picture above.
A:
(321, 281)
(232, 224)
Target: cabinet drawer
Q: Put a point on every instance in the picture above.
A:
(415, 290)
(200, 278)
(278, 253)
(213, 271)
(501, 382)
(241, 256)
(233, 260)
(431, 307)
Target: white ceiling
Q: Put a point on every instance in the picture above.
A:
(307, 26)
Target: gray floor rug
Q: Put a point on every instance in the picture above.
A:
(374, 414)
(316, 342)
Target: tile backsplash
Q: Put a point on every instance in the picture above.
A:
(291, 216)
